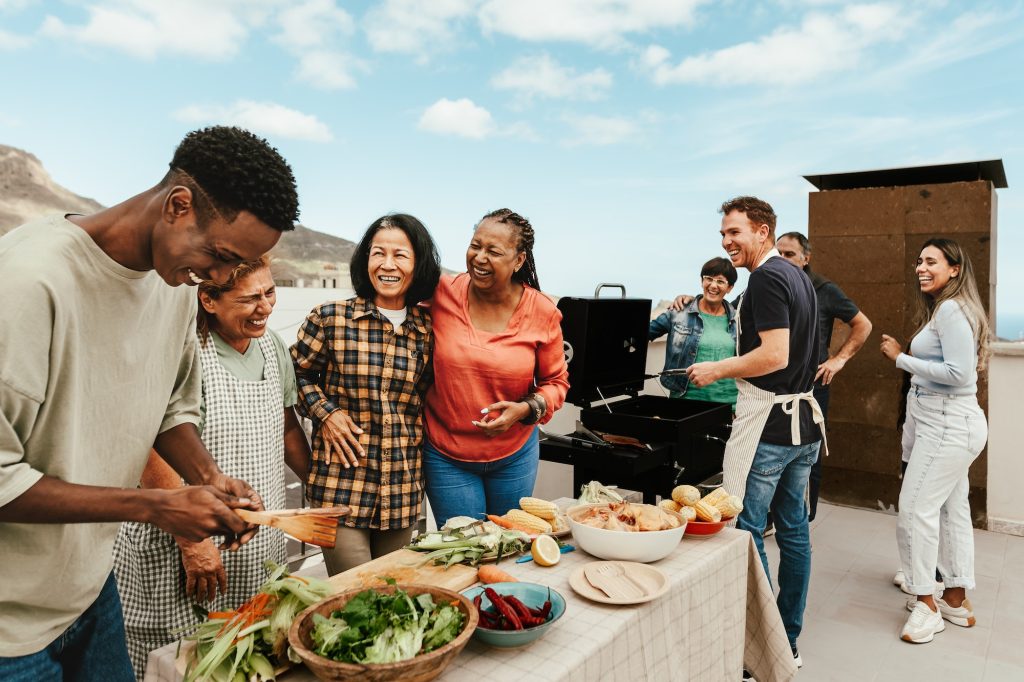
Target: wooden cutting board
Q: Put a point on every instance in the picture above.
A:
(405, 566)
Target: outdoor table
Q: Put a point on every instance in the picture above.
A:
(718, 615)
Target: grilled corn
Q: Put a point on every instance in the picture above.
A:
(707, 512)
(538, 507)
(525, 519)
(685, 495)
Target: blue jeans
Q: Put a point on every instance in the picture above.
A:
(92, 648)
(777, 482)
(458, 488)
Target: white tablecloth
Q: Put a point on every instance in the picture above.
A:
(718, 617)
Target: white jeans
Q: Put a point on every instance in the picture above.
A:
(943, 434)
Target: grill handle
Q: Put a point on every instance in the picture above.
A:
(603, 285)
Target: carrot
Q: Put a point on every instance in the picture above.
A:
(492, 574)
(510, 525)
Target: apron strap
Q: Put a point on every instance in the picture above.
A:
(791, 406)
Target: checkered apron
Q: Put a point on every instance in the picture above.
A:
(245, 433)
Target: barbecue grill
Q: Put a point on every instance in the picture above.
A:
(641, 442)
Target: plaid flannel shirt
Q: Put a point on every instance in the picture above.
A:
(348, 357)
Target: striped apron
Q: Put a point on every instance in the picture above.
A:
(753, 406)
(244, 432)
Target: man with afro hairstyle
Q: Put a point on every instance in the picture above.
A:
(99, 365)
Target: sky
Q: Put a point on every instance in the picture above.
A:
(616, 127)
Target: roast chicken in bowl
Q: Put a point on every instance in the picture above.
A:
(624, 531)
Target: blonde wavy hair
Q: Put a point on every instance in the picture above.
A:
(964, 290)
(215, 291)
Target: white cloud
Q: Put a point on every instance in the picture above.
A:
(14, 5)
(822, 44)
(327, 70)
(542, 76)
(13, 41)
(267, 118)
(460, 117)
(600, 130)
(599, 23)
(313, 24)
(146, 28)
(415, 27)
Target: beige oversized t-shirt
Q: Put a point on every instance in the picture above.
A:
(95, 360)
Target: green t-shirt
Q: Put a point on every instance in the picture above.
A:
(715, 344)
(248, 366)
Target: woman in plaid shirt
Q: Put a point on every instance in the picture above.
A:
(362, 368)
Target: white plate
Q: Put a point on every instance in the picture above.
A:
(652, 579)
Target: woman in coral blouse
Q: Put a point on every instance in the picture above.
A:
(499, 371)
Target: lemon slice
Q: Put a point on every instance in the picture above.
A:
(545, 550)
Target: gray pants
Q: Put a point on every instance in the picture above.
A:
(356, 546)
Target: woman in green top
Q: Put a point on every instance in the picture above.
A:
(704, 331)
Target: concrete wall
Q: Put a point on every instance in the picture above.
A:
(1006, 434)
(867, 241)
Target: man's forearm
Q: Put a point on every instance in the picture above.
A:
(860, 330)
(183, 450)
(52, 500)
(756, 363)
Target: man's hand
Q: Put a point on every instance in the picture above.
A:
(829, 369)
(204, 569)
(500, 416)
(891, 347)
(341, 436)
(197, 512)
(703, 373)
(680, 302)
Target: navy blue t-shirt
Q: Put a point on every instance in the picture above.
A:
(833, 304)
(780, 296)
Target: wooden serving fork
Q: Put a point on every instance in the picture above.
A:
(313, 526)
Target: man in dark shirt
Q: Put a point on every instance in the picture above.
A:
(776, 434)
(833, 305)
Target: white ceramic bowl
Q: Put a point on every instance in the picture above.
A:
(620, 545)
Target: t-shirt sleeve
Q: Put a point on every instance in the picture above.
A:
(769, 300)
(17, 416)
(183, 406)
(286, 370)
(839, 305)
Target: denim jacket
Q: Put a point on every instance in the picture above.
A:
(684, 329)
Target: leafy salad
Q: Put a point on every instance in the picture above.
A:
(374, 627)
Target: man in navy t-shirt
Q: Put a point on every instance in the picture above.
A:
(776, 434)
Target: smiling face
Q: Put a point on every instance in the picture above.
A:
(391, 266)
(715, 288)
(791, 250)
(743, 241)
(934, 271)
(493, 255)
(241, 313)
(185, 253)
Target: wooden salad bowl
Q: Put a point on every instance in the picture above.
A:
(417, 669)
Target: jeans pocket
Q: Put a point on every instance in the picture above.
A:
(769, 459)
(935, 404)
(977, 434)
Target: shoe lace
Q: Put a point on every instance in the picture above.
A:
(920, 615)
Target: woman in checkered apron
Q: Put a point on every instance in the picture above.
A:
(362, 367)
(247, 380)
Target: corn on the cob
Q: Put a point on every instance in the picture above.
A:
(538, 507)
(715, 495)
(730, 506)
(685, 495)
(528, 520)
(559, 523)
(669, 505)
(689, 513)
(707, 512)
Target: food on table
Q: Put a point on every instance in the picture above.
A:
(375, 627)
(545, 550)
(559, 524)
(470, 544)
(492, 574)
(627, 516)
(707, 512)
(688, 513)
(595, 492)
(507, 612)
(542, 508)
(248, 640)
(730, 506)
(670, 505)
(685, 495)
(524, 519)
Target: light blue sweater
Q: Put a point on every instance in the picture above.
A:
(945, 354)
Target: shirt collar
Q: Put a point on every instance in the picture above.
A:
(416, 315)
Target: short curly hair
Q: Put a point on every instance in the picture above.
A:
(758, 211)
(235, 171)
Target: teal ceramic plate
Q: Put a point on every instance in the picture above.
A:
(531, 594)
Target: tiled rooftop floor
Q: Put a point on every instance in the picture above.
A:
(854, 612)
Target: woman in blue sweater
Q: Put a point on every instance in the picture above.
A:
(944, 432)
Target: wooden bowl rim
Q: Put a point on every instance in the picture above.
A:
(413, 589)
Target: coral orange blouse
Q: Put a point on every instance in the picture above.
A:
(474, 368)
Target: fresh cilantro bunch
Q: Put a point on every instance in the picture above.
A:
(374, 627)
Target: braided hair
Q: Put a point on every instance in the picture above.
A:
(524, 238)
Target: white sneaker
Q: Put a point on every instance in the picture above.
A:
(962, 615)
(922, 625)
(900, 581)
